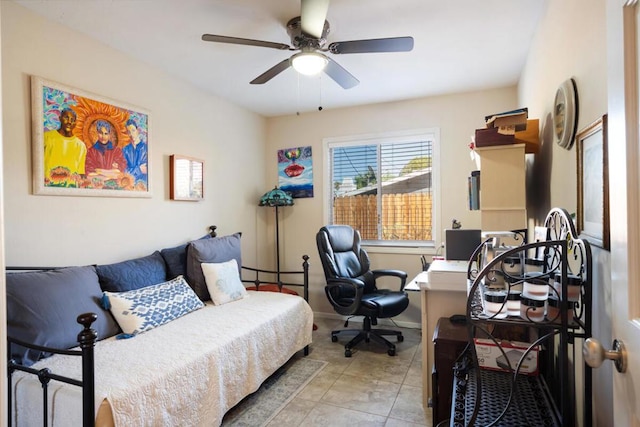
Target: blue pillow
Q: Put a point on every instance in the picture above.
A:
(216, 250)
(176, 259)
(146, 308)
(42, 307)
(132, 274)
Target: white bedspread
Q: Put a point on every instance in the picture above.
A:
(188, 372)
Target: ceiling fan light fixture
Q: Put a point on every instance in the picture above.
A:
(309, 63)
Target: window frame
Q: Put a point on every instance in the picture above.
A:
(403, 136)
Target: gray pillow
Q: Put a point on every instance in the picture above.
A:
(218, 249)
(176, 259)
(132, 274)
(42, 308)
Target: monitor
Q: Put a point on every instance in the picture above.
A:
(460, 243)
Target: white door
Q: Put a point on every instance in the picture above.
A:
(623, 17)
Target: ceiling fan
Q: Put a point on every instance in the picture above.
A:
(308, 34)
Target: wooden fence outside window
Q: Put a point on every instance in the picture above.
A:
(405, 216)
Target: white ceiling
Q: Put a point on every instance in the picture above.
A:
(460, 45)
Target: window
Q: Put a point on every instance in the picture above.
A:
(383, 185)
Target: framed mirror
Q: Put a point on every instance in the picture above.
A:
(186, 178)
(565, 114)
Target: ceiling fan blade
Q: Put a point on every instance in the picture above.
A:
(392, 44)
(313, 13)
(247, 42)
(271, 72)
(340, 75)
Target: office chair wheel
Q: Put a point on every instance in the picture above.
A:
(391, 352)
(347, 353)
(334, 338)
(400, 338)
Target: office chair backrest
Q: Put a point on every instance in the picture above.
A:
(342, 256)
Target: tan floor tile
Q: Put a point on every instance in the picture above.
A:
(414, 376)
(362, 393)
(392, 422)
(332, 416)
(408, 349)
(418, 354)
(370, 388)
(334, 355)
(293, 414)
(383, 368)
(408, 405)
(319, 386)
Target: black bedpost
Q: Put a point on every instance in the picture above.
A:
(305, 267)
(87, 339)
(10, 370)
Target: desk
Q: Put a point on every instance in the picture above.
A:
(416, 282)
(437, 300)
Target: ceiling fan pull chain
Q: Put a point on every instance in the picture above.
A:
(320, 103)
(298, 94)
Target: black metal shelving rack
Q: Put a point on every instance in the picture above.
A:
(490, 398)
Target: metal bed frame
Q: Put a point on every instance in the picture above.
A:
(87, 338)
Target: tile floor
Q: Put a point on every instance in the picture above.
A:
(370, 388)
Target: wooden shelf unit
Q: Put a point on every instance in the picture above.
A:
(503, 201)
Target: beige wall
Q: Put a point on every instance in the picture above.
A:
(46, 230)
(571, 42)
(457, 116)
(54, 230)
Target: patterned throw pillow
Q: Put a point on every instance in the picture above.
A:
(143, 309)
(223, 281)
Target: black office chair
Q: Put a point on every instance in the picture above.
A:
(351, 286)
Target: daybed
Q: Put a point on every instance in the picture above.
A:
(170, 359)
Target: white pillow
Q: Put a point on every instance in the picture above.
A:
(146, 308)
(223, 281)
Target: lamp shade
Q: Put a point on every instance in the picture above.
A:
(276, 197)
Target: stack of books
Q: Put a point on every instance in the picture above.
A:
(474, 191)
(509, 122)
(509, 127)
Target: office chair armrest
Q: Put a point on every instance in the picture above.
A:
(395, 273)
(358, 287)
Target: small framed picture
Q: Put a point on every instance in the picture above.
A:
(187, 178)
(593, 183)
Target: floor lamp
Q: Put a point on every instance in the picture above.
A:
(276, 198)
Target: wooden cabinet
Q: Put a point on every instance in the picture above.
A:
(449, 341)
(503, 201)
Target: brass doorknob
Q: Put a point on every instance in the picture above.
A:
(594, 354)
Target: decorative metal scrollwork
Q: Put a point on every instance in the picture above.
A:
(556, 269)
